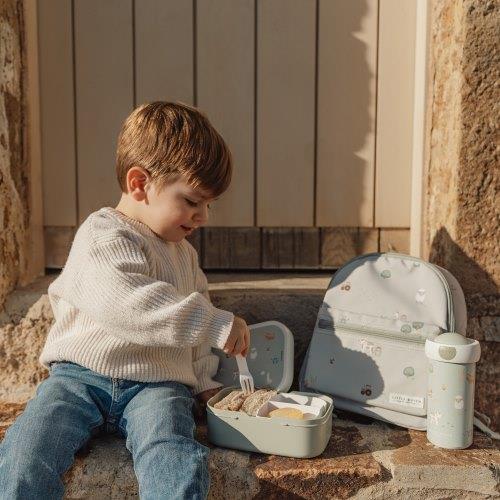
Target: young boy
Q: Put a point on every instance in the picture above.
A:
(134, 325)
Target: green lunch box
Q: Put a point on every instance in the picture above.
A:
(270, 361)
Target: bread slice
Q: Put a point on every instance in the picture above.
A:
(237, 400)
(232, 401)
(255, 400)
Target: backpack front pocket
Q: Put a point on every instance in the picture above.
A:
(371, 367)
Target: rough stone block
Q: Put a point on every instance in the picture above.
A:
(424, 465)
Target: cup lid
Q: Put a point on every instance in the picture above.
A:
(451, 347)
(269, 359)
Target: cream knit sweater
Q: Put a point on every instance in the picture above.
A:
(129, 305)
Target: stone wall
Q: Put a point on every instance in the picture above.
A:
(14, 163)
(462, 182)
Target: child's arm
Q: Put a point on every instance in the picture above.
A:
(112, 287)
(205, 363)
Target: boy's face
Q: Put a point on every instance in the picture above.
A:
(176, 210)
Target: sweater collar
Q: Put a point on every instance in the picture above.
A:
(138, 225)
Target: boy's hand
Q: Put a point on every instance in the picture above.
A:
(238, 341)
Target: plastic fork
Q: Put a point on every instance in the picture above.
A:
(246, 379)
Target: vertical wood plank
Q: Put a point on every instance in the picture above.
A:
(285, 112)
(57, 120)
(195, 240)
(58, 241)
(164, 51)
(347, 60)
(231, 248)
(35, 263)
(395, 240)
(290, 248)
(104, 96)
(340, 244)
(395, 113)
(225, 75)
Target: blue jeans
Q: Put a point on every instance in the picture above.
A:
(74, 403)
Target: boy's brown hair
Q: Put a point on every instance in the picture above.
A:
(170, 139)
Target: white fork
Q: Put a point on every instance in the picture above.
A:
(246, 379)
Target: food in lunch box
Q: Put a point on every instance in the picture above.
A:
(255, 400)
(286, 413)
(232, 401)
(237, 400)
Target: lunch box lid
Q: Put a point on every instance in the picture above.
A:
(269, 359)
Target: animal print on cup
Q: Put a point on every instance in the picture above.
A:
(435, 417)
(385, 273)
(459, 402)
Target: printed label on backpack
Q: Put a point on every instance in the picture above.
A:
(405, 400)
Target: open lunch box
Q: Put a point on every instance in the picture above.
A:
(270, 361)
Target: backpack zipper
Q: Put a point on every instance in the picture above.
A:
(376, 332)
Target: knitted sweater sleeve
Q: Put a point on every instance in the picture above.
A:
(114, 289)
(205, 363)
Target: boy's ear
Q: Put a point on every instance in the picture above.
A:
(137, 181)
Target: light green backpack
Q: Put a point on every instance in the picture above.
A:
(367, 348)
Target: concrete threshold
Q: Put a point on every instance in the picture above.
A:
(266, 281)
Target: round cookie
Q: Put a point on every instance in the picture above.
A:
(287, 413)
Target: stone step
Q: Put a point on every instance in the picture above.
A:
(364, 458)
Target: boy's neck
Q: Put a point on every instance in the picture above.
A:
(129, 208)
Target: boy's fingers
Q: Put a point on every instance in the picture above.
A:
(230, 343)
(239, 346)
(246, 342)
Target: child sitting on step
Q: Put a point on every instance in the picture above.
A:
(134, 325)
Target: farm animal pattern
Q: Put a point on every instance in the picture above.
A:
(332, 318)
(458, 402)
(406, 326)
(273, 359)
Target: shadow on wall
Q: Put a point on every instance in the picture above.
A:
(352, 97)
(483, 311)
(471, 276)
